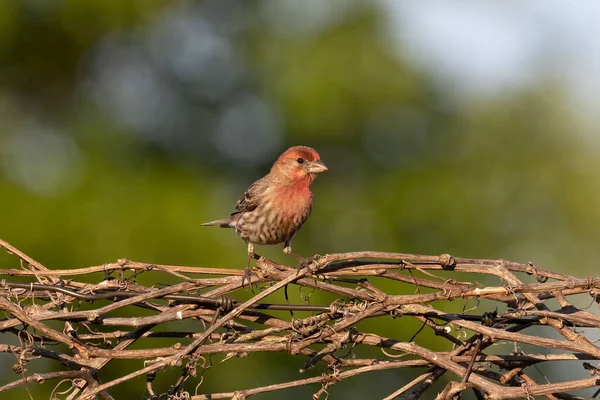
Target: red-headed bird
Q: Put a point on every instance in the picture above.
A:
(274, 207)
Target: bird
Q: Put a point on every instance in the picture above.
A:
(274, 208)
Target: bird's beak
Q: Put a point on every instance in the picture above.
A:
(316, 167)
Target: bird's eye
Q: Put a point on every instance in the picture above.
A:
(300, 160)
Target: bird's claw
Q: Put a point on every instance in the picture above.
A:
(318, 257)
(309, 262)
(248, 277)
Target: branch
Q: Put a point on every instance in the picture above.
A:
(34, 298)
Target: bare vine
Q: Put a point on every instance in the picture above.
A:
(90, 336)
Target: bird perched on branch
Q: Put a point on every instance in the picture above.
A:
(274, 207)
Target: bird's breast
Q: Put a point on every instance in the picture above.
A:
(275, 220)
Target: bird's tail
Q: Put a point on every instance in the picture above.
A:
(223, 223)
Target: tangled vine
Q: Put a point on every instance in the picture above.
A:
(89, 336)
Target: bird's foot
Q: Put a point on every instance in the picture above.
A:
(248, 272)
(248, 277)
(309, 262)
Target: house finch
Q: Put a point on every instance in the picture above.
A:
(274, 207)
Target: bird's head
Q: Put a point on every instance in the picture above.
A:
(299, 164)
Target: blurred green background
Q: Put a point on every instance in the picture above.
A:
(467, 129)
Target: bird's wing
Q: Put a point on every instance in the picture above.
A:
(250, 199)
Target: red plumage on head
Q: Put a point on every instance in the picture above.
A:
(288, 167)
(293, 153)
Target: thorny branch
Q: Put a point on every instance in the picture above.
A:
(91, 336)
